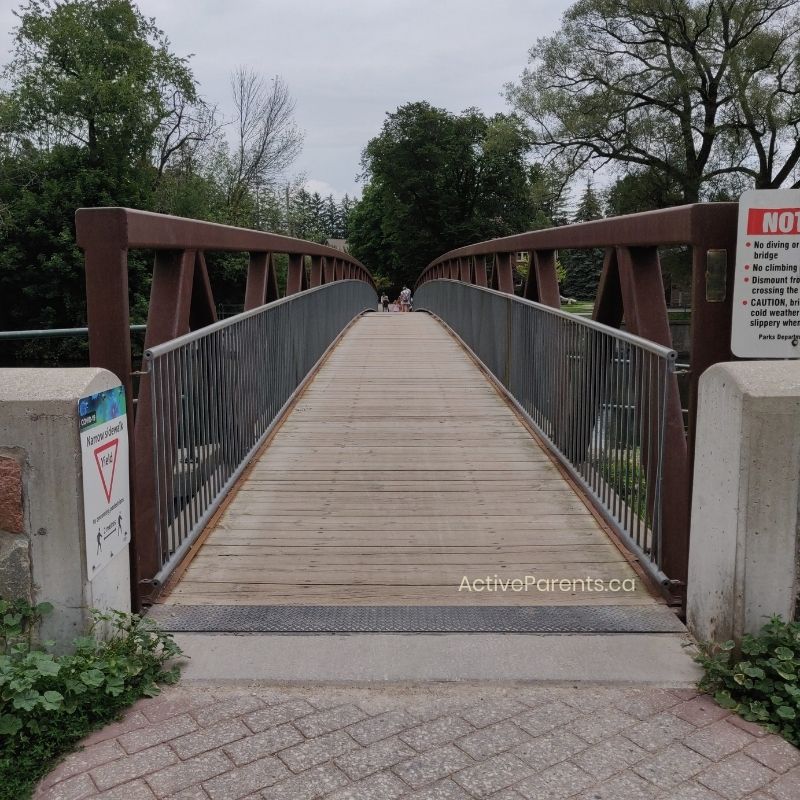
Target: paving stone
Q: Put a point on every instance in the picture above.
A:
(753, 728)
(701, 710)
(609, 757)
(131, 722)
(227, 708)
(377, 787)
(658, 731)
(493, 740)
(774, 752)
(188, 773)
(82, 761)
(490, 711)
(736, 776)
(332, 719)
(719, 739)
(74, 788)
(537, 696)
(311, 784)
(506, 794)
(547, 750)
(432, 765)
(171, 704)
(786, 787)
(132, 767)
(491, 775)
(601, 724)
(375, 702)
(331, 698)
(645, 703)
(316, 751)
(672, 766)
(561, 781)
(156, 733)
(436, 732)
(626, 786)
(684, 694)
(546, 718)
(276, 715)
(380, 755)
(380, 727)
(434, 707)
(209, 738)
(193, 793)
(592, 699)
(244, 780)
(138, 790)
(446, 790)
(696, 791)
(262, 744)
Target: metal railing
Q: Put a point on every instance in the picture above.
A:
(596, 394)
(216, 393)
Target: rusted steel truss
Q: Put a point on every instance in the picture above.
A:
(181, 300)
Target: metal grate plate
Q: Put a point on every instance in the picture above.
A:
(416, 619)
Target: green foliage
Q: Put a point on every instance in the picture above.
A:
(760, 680)
(582, 268)
(624, 473)
(701, 93)
(318, 218)
(49, 702)
(437, 180)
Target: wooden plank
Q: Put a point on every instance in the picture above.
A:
(399, 471)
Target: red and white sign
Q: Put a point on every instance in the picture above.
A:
(105, 457)
(106, 492)
(766, 291)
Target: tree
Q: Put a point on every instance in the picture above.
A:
(434, 181)
(582, 268)
(97, 74)
(266, 140)
(90, 85)
(702, 93)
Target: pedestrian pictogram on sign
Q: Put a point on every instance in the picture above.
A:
(106, 491)
(105, 457)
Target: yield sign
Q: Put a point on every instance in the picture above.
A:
(105, 457)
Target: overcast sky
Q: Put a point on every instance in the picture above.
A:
(348, 62)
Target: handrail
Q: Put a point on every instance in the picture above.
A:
(623, 336)
(596, 395)
(181, 302)
(631, 288)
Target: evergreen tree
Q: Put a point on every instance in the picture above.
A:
(582, 267)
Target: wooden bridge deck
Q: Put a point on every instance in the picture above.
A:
(399, 471)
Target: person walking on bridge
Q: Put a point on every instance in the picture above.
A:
(385, 302)
(405, 299)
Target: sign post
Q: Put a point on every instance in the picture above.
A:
(106, 493)
(766, 294)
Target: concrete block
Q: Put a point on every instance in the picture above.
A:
(39, 432)
(743, 555)
(15, 567)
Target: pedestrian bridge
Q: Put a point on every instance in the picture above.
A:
(489, 462)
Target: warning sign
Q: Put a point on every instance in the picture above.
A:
(766, 295)
(106, 497)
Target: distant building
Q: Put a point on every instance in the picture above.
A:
(338, 244)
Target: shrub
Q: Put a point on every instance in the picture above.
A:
(49, 702)
(760, 680)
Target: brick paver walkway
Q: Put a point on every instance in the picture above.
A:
(437, 743)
